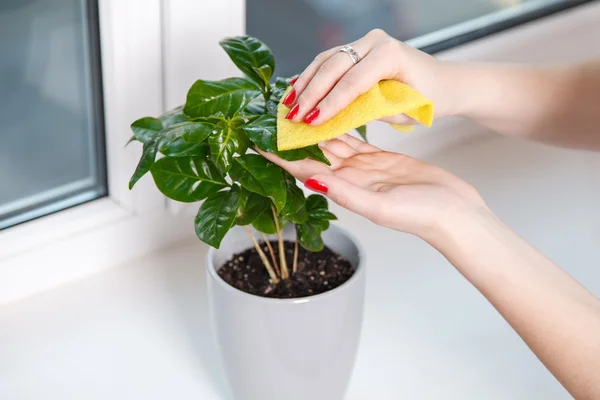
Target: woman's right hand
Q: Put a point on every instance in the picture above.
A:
(332, 81)
(390, 189)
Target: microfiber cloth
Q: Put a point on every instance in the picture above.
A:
(385, 99)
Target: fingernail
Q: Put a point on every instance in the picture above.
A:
(316, 186)
(311, 116)
(289, 99)
(293, 80)
(293, 112)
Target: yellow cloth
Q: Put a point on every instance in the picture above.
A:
(385, 99)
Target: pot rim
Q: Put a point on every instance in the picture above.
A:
(297, 300)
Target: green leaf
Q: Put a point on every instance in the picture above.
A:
(146, 128)
(258, 175)
(187, 179)
(309, 237)
(173, 140)
(263, 133)
(272, 107)
(322, 214)
(181, 148)
(236, 124)
(226, 141)
(131, 139)
(276, 95)
(318, 211)
(312, 152)
(251, 206)
(146, 161)
(172, 117)
(294, 209)
(256, 106)
(309, 232)
(170, 137)
(206, 98)
(283, 83)
(248, 53)
(362, 130)
(216, 216)
(264, 73)
(315, 202)
(265, 222)
(178, 147)
(191, 131)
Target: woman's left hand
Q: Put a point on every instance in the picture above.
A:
(390, 189)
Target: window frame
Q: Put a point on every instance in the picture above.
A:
(147, 67)
(489, 24)
(68, 194)
(99, 234)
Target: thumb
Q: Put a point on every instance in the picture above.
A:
(344, 193)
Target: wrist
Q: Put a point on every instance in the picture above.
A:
(445, 84)
(454, 88)
(431, 77)
(462, 227)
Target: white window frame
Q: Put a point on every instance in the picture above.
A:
(152, 51)
(94, 236)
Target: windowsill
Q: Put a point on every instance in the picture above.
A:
(141, 331)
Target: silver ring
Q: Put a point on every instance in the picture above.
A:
(351, 52)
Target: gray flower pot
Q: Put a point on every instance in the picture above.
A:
(292, 349)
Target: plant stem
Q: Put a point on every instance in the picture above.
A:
(273, 258)
(267, 95)
(285, 272)
(295, 265)
(263, 257)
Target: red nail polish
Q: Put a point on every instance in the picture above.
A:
(293, 80)
(316, 186)
(311, 116)
(289, 99)
(293, 112)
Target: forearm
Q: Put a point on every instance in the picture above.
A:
(559, 106)
(557, 318)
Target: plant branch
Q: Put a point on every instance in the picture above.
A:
(273, 258)
(263, 257)
(295, 265)
(267, 95)
(285, 272)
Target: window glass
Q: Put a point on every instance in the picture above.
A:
(297, 30)
(51, 139)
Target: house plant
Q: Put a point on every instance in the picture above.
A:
(286, 309)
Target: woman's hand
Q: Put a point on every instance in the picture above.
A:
(332, 81)
(390, 189)
(557, 318)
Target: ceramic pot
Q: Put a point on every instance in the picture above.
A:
(287, 349)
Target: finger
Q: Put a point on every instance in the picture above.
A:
(376, 66)
(327, 76)
(301, 169)
(344, 193)
(339, 148)
(399, 119)
(333, 159)
(358, 145)
(306, 76)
